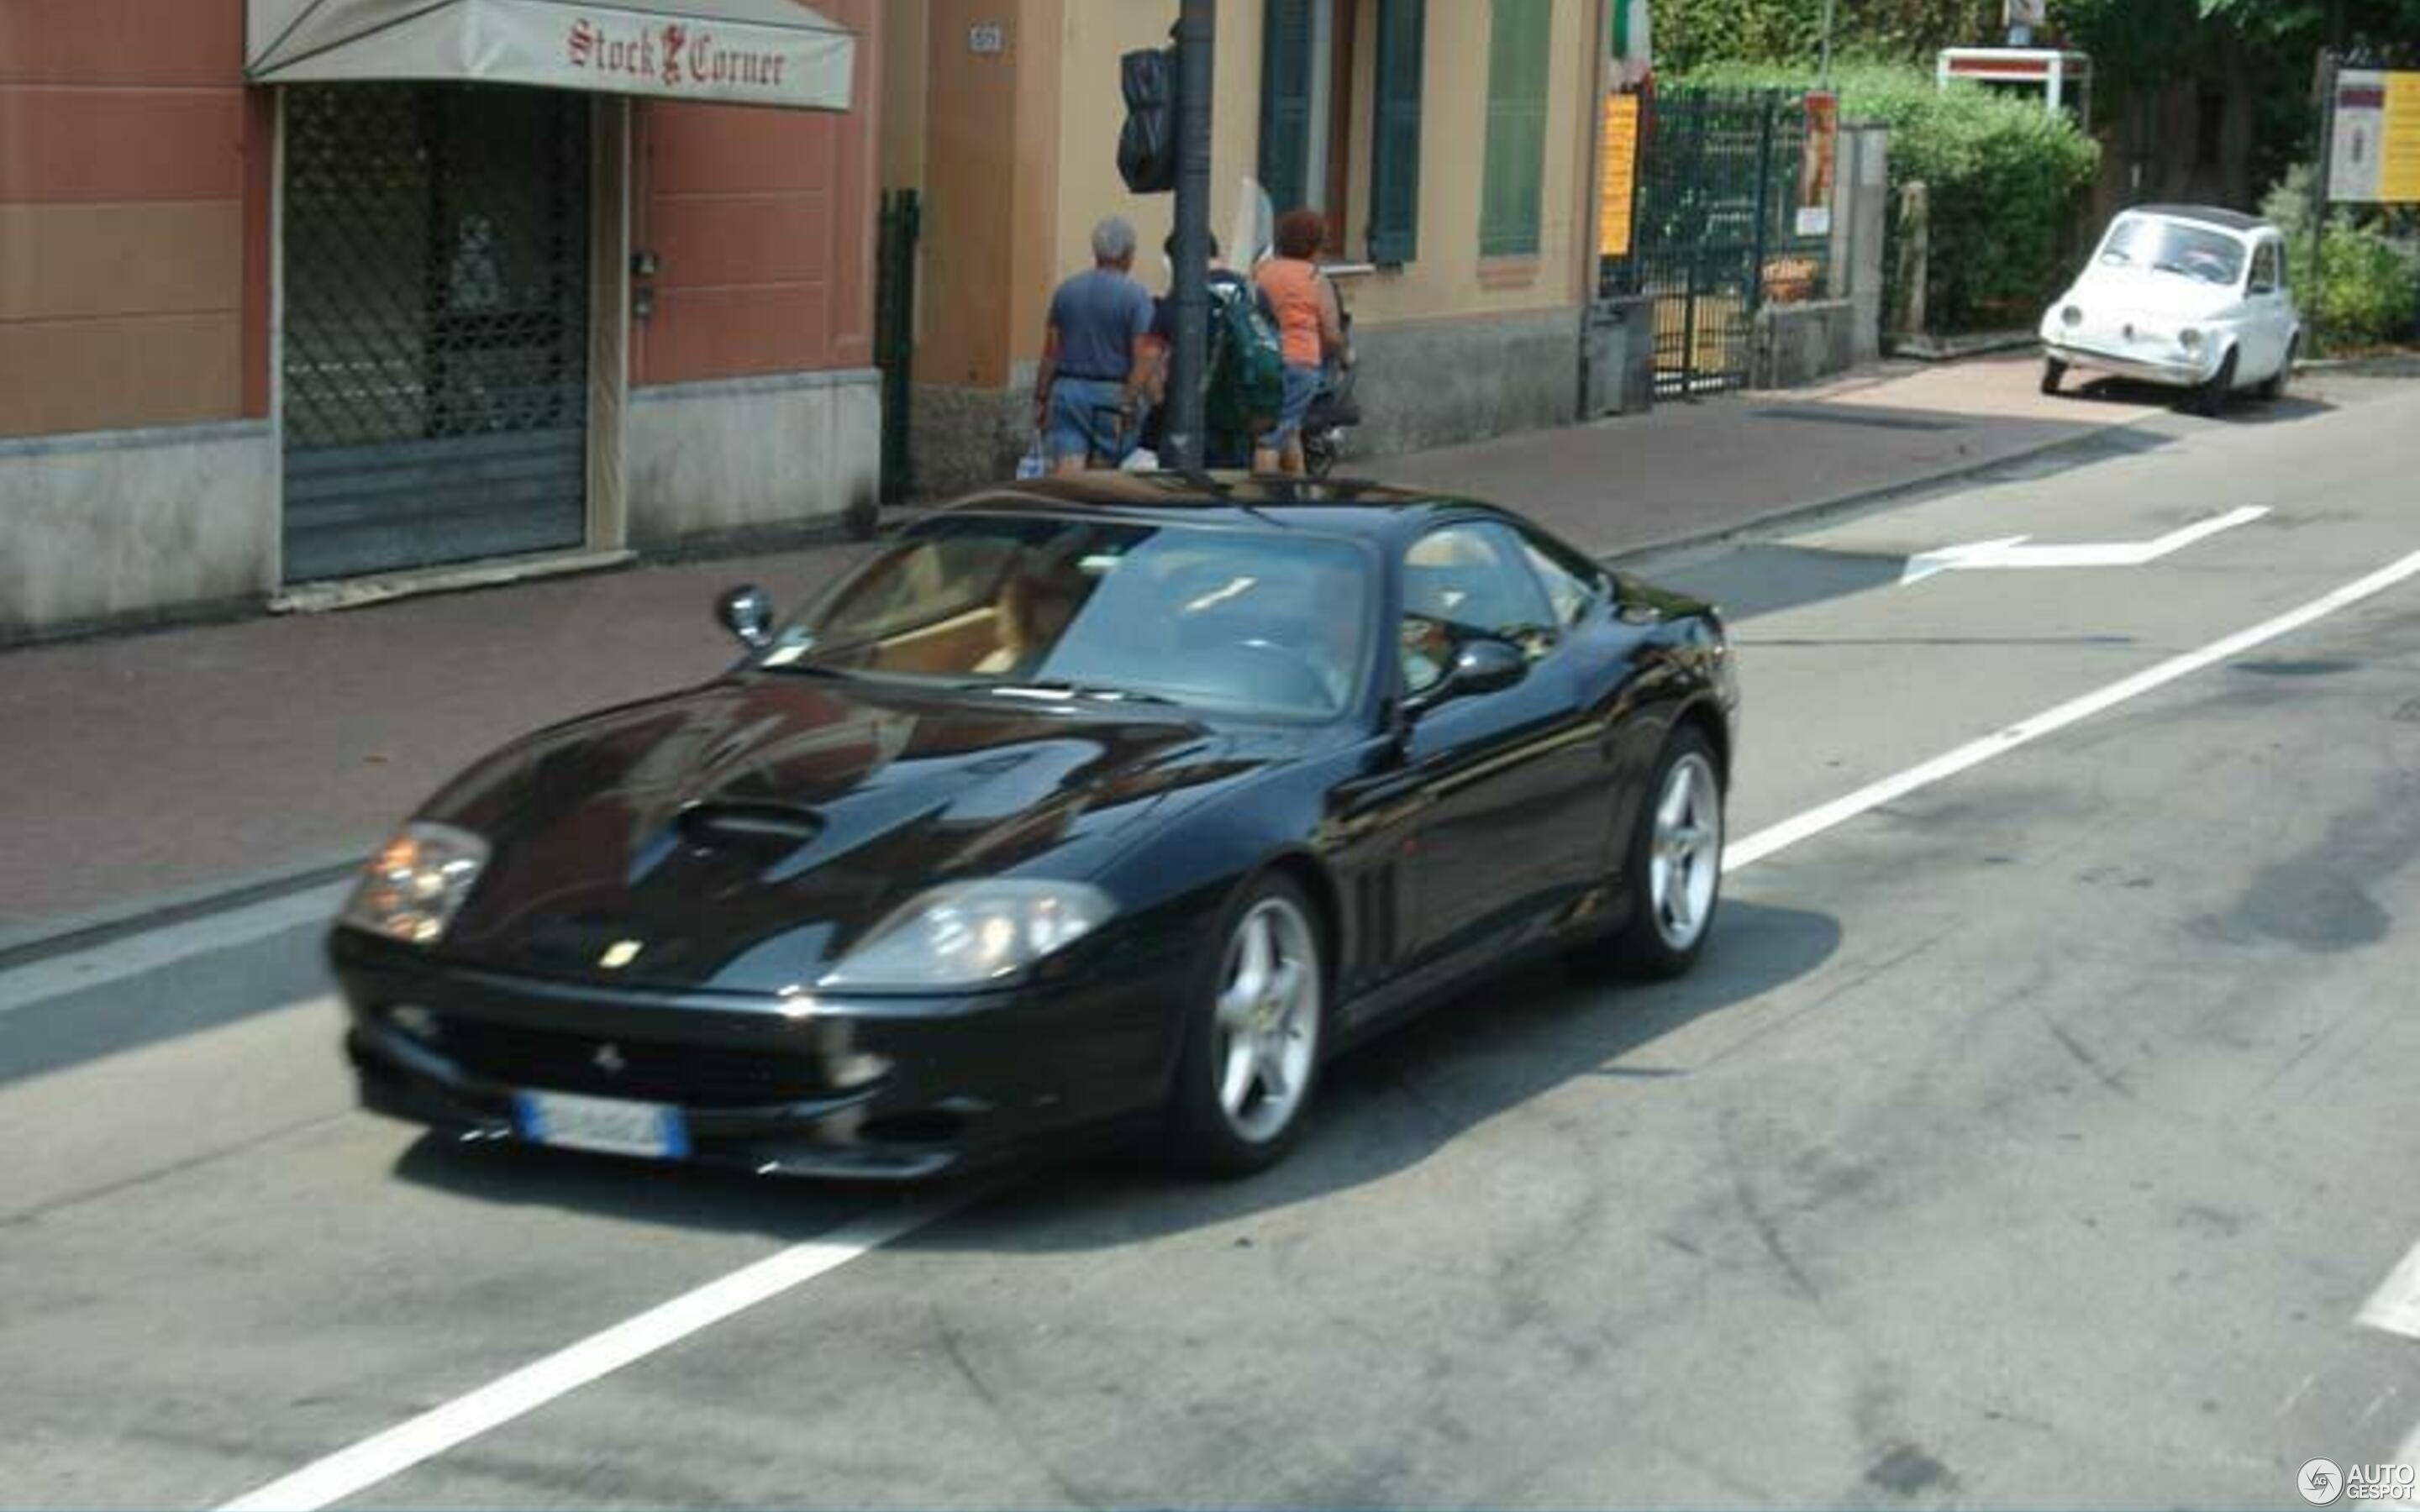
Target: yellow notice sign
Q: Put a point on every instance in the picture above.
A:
(1620, 176)
(2399, 144)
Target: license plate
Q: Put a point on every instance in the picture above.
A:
(605, 1124)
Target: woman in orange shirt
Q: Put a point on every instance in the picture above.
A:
(1310, 330)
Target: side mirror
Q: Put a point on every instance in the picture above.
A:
(747, 613)
(1479, 666)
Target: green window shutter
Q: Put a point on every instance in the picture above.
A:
(1395, 139)
(1285, 102)
(1519, 48)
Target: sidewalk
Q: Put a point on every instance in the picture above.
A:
(152, 770)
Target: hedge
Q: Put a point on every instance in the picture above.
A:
(2003, 177)
(2368, 292)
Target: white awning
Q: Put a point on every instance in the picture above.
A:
(743, 51)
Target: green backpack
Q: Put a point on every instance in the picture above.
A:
(1247, 363)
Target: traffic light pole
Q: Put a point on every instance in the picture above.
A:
(1196, 34)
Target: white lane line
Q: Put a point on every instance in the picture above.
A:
(399, 1448)
(2395, 1307)
(433, 1432)
(136, 954)
(1873, 796)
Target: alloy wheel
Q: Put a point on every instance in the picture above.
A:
(1684, 857)
(1267, 1023)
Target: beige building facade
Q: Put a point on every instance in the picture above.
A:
(1451, 144)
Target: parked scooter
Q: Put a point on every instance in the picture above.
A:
(1333, 411)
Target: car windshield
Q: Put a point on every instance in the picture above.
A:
(1264, 624)
(2173, 247)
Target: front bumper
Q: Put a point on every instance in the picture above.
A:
(2175, 370)
(880, 1090)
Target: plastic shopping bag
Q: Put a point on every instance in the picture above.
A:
(1033, 464)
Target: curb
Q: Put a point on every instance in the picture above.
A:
(2378, 364)
(1957, 348)
(102, 926)
(1855, 501)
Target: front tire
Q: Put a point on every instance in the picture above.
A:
(2052, 371)
(1673, 865)
(1254, 1037)
(2210, 399)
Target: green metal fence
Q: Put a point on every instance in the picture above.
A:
(1717, 234)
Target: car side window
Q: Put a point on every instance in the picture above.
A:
(1574, 584)
(2264, 268)
(1466, 582)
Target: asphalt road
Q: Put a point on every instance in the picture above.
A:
(2033, 1134)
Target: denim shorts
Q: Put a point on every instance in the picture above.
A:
(1086, 421)
(1301, 386)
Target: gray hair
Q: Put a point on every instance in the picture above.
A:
(1113, 239)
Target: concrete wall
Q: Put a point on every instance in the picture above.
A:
(742, 454)
(1620, 358)
(1861, 203)
(1437, 382)
(130, 524)
(1795, 343)
(134, 206)
(966, 437)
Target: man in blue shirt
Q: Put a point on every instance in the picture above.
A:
(1095, 358)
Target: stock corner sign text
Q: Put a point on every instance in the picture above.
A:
(672, 55)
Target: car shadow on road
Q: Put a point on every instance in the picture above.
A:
(2279, 411)
(2243, 408)
(1384, 1107)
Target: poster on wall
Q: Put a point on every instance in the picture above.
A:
(2374, 148)
(1815, 164)
(1620, 176)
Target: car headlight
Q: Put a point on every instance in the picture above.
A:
(2189, 339)
(2072, 316)
(414, 885)
(972, 935)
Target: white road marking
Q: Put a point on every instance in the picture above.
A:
(1873, 796)
(136, 954)
(380, 1458)
(2395, 1307)
(2013, 551)
(389, 1454)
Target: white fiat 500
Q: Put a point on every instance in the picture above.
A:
(2183, 295)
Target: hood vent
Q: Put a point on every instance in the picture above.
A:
(766, 829)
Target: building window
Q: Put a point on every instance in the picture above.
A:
(1519, 45)
(1306, 86)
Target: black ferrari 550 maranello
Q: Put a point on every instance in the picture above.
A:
(1120, 802)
